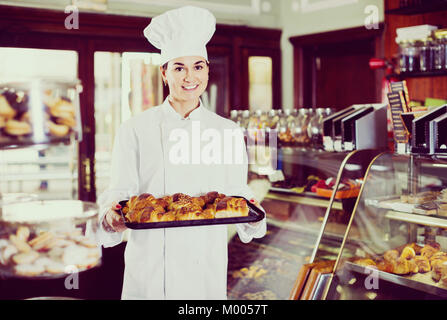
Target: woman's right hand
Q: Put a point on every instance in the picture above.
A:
(114, 219)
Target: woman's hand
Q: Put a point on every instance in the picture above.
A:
(257, 223)
(114, 220)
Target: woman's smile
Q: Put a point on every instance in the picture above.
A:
(190, 87)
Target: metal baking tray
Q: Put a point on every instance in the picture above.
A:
(254, 214)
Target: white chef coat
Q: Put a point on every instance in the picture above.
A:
(181, 262)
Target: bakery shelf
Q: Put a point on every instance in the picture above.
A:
(429, 221)
(383, 222)
(418, 281)
(306, 198)
(406, 75)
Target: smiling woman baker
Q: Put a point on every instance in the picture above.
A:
(183, 262)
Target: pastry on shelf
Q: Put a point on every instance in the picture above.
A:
(408, 253)
(423, 264)
(391, 255)
(30, 254)
(429, 250)
(401, 266)
(365, 262)
(439, 270)
(385, 266)
(17, 128)
(422, 197)
(413, 266)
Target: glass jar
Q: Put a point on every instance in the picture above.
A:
(409, 56)
(315, 129)
(233, 115)
(273, 119)
(283, 120)
(438, 52)
(39, 111)
(413, 53)
(403, 56)
(48, 239)
(300, 127)
(245, 119)
(427, 54)
(444, 50)
(441, 49)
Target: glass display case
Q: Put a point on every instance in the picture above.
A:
(396, 241)
(307, 215)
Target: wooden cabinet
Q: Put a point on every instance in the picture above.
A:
(419, 87)
(229, 50)
(331, 69)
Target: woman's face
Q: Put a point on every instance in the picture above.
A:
(187, 77)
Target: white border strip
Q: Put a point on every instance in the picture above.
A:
(253, 9)
(307, 7)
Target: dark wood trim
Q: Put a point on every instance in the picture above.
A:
(14, 19)
(45, 29)
(343, 35)
(237, 74)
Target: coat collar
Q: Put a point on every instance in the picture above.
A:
(170, 112)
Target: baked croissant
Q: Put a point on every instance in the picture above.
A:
(150, 213)
(231, 207)
(423, 264)
(146, 208)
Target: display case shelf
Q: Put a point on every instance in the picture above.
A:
(429, 221)
(406, 75)
(306, 198)
(389, 226)
(419, 281)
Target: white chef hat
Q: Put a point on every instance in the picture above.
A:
(181, 32)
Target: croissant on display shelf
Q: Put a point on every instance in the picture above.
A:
(423, 264)
(178, 207)
(411, 259)
(408, 253)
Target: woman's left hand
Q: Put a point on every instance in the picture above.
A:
(256, 203)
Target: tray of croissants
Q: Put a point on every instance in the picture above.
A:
(425, 264)
(180, 210)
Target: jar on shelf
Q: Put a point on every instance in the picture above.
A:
(315, 128)
(413, 53)
(437, 44)
(440, 49)
(403, 56)
(273, 118)
(245, 119)
(409, 56)
(39, 111)
(300, 127)
(427, 56)
(233, 115)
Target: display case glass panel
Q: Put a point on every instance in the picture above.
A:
(297, 215)
(396, 243)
